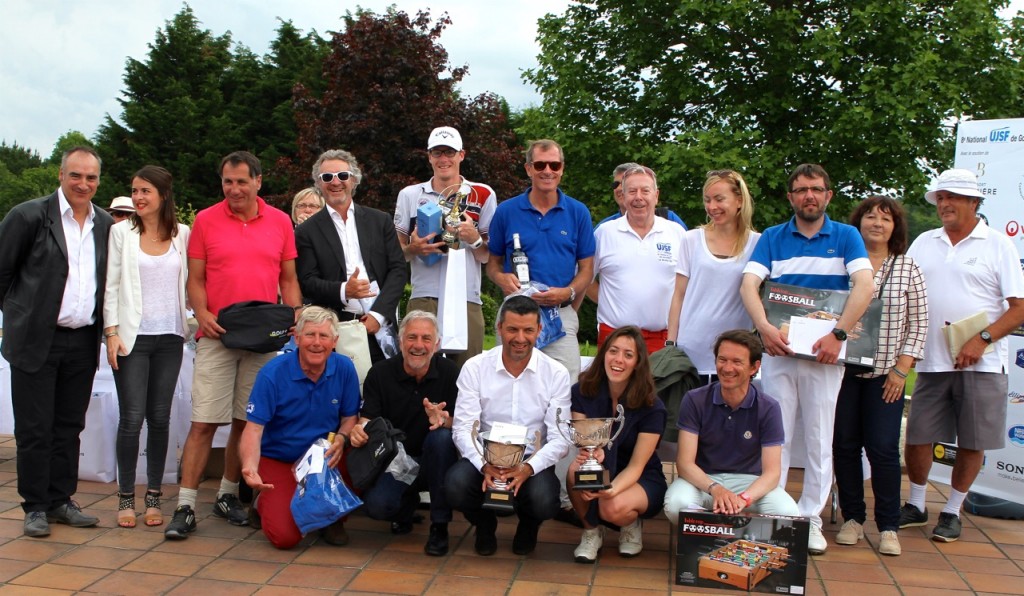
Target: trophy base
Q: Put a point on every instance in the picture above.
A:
(499, 501)
(592, 480)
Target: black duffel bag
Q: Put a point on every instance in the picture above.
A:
(256, 326)
(368, 462)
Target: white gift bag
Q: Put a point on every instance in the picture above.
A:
(97, 458)
(451, 307)
(352, 342)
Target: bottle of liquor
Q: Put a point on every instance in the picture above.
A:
(520, 262)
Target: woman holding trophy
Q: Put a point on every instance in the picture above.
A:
(620, 380)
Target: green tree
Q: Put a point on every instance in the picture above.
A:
(386, 84)
(17, 158)
(872, 90)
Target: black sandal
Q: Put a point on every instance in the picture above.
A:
(126, 510)
(153, 517)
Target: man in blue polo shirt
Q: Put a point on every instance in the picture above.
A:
(297, 398)
(557, 235)
(811, 251)
(730, 439)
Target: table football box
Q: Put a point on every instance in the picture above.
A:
(428, 221)
(756, 553)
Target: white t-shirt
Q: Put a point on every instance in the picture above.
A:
(637, 275)
(158, 276)
(712, 303)
(426, 280)
(975, 275)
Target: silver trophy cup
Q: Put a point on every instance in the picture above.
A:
(591, 434)
(504, 456)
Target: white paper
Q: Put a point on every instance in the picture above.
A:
(311, 463)
(805, 331)
(504, 432)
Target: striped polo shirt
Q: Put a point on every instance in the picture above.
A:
(824, 261)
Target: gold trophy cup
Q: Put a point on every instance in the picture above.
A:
(456, 194)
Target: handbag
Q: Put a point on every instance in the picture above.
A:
(256, 326)
(353, 342)
(366, 463)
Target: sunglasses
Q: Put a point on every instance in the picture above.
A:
(329, 176)
(720, 173)
(449, 153)
(541, 165)
(616, 184)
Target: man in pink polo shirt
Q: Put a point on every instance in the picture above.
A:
(240, 249)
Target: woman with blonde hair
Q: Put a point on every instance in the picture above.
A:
(305, 203)
(710, 268)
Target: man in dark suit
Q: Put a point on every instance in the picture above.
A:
(349, 255)
(53, 266)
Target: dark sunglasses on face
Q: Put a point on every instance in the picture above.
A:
(328, 176)
(616, 184)
(541, 165)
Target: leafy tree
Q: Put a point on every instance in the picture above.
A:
(17, 158)
(386, 84)
(71, 138)
(872, 90)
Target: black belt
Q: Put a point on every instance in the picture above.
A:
(347, 316)
(565, 304)
(91, 327)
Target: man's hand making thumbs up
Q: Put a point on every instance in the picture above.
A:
(356, 288)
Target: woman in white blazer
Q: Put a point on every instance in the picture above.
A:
(145, 325)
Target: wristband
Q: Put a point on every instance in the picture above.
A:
(899, 373)
(110, 334)
(746, 497)
(479, 242)
(711, 487)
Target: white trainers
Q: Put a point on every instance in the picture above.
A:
(590, 545)
(631, 539)
(816, 544)
(890, 544)
(850, 533)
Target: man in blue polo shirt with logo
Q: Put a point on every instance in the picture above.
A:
(557, 235)
(810, 251)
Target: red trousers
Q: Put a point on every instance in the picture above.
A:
(275, 506)
(655, 340)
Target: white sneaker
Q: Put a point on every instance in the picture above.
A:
(816, 544)
(590, 545)
(631, 539)
(889, 544)
(850, 533)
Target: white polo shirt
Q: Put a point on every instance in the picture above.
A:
(637, 275)
(975, 275)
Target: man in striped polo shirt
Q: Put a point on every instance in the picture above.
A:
(811, 251)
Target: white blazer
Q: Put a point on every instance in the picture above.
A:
(122, 302)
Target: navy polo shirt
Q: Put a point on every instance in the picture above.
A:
(647, 419)
(554, 241)
(295, 411)
(391, 392)
(730, 441)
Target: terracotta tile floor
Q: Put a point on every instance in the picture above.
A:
(223, 560)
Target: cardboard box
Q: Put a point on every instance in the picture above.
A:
(428, 221)
(758, 553)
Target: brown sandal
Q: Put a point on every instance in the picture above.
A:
(153, 517)
(126, 510)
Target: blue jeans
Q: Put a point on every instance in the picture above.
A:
(537, 499)
(145, 382)
(392, 500)
(864, 420)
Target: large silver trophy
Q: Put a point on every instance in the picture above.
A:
(503, 455)
(454, 197)
(591, 434)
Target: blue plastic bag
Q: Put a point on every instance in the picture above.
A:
(550, 321)
(321, 496)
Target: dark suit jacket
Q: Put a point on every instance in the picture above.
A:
(33, 273)
(321, 261)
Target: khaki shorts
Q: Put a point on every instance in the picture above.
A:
(963, 407)
(222, 381)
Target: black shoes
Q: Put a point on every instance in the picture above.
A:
(486, 541)
(525, 539)
(947, 529)
(183, 523)
(230, 508)
(568, 515)
(911, 516)
(437, 543)
(399, 528)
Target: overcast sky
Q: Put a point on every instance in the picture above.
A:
(62, 63)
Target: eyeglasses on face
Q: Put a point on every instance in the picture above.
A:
(540, 166)
(329, 176)
(817, 190)
(308, 206)
(449, 153)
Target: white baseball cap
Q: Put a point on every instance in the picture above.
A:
(445, 136)
(957, 181)
(122, 204)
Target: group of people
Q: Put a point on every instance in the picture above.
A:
(70, 276)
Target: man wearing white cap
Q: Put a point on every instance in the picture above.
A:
(445, 153)
(960, 396)
(120, 208)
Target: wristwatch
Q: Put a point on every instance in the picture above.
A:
(839, 333)
(986, 336)
(746, 497)
(669, 343)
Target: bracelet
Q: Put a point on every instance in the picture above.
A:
(479, 242)
(110, 334)
(572, 294)
(898, 372)
(711, 487)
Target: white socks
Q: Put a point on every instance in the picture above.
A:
(917, 494)
(956, 500)
(227, 488)
(187, 496)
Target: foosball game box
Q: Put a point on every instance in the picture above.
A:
(756, 553)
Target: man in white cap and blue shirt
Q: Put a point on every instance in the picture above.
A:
(445, 153)
(961, 397)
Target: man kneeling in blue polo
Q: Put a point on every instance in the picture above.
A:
(730, 440)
